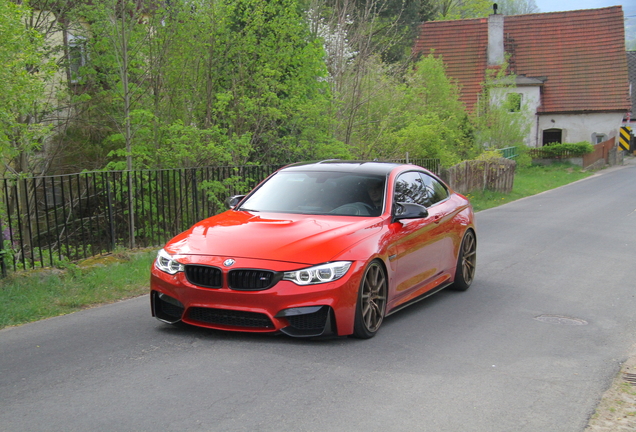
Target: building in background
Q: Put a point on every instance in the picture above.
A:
(570, 68)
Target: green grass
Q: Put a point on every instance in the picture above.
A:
(37, 294)
(529, 181)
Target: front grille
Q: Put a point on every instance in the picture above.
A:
(312, 321)
(246, 279)
(230, 318)
(204, 276)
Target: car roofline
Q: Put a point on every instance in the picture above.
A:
(338, 165)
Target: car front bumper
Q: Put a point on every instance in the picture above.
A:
(298, 311)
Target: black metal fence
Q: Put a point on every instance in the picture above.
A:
(52, 219)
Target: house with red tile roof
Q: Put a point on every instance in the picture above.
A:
(570, 67)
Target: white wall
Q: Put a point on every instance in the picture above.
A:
(530, 101)
(579, 127)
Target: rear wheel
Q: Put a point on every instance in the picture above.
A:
(466, 262)
(371, 305)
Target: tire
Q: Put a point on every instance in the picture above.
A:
(466, 262)
(371, 304)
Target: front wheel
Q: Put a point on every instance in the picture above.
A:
(371, 305)
(466, 262)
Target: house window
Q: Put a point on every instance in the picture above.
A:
(76, 56)
(552, 136)
(513, 102)
(598, 138)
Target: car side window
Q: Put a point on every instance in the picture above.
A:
(435, 191)
(410, 188)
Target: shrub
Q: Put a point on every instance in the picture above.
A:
(567, 149)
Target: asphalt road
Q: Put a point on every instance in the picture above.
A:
(472, 361)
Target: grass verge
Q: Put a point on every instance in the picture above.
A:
(38, 294)
(529, 181)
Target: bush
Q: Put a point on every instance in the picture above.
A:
(569, 149)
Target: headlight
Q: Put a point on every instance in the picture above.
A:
(165, 262)
(318, 274)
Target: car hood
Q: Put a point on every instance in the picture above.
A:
(304, 239)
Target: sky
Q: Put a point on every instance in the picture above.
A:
(629, 6)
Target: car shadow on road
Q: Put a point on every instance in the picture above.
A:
(401, 317)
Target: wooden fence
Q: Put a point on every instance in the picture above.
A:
(496, 175)
(601, 152)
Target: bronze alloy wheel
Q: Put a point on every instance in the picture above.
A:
(466, 262)
(371, 301)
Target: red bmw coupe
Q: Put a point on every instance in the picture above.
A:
(319, 248)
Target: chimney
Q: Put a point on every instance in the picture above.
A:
(495, 40)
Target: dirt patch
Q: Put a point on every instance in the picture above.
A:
(112, 258)
(617, 410)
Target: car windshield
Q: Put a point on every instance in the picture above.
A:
(313, 192)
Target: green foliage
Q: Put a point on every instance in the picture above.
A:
(217, 191)
(500, 120)
(421, 115)
(461, 9)
(572, 149)
(523, 158)
(234, 82)
(23, 75)
(489, 155)
(221, 83)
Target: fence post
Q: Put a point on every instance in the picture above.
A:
(110, 214)
(195, 194)
(3, 265)
(131, 211)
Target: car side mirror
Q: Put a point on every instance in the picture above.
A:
(233, 201)
(408, 211)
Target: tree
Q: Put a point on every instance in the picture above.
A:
(517, 7)
(434, 121)
(119, 33)
(462, 9)
(24, 74)
(361, 38)
(209, 83)
(272, 78)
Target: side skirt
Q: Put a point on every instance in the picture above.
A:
(422, 297)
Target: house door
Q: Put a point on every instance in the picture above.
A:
(552, 136)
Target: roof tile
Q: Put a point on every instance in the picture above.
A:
(582, 54)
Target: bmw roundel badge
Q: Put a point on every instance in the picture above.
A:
(228, 262)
